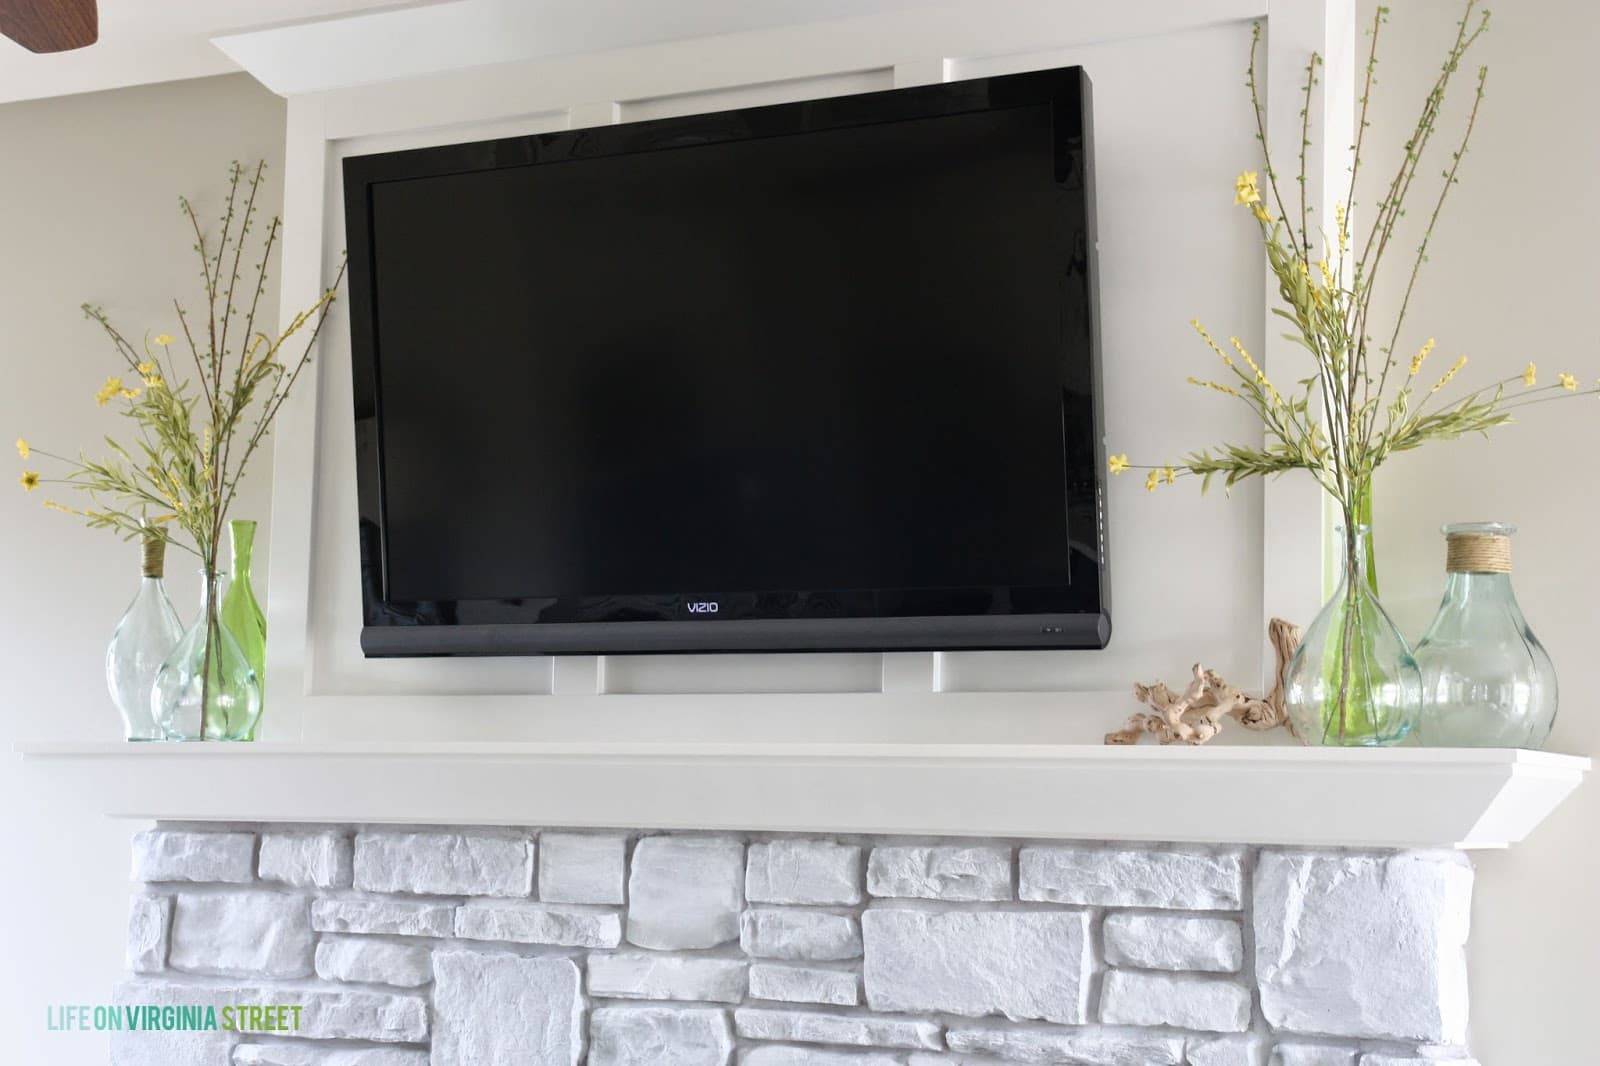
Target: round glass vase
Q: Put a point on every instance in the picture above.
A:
(144, 637)
(1353, 682)
(206, 690)
(1486, 679)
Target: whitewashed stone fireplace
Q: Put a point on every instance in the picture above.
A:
(493, 945)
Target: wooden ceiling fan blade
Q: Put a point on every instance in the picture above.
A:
(50, 25)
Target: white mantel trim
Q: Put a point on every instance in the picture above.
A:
(1383, 798)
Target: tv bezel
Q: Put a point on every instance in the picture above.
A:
(772, 621)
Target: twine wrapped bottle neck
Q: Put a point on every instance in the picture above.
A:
(153, 556)
(1477, 553)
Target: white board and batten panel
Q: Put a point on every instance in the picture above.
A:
(1187, 573)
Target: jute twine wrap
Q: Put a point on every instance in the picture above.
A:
(1477, 553)
(154, 560)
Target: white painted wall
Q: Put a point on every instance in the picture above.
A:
(1513, 278)
(88, 211)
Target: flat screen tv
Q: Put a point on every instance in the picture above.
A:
(808, 377)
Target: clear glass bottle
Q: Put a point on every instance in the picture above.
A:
(1353, 681)
(241, 613)
(206, 690)
(143, 639)
(1487, 681)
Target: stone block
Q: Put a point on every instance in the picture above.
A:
(1312, 1055)
(241, 934)
(638, 975)
(368, 961)
(397, 917)
(582, 867)
(506, 1010)
(1174, 942)
(804, 984)
(149, 923)
(306, 860)
(659, 1036)
(344, 1014)
(817, 936)
(348, 1013)
(685, 892)
(311, 1055)
(947, 873)
(563, 925)
(1024, 965)
(1187, 879)
(816, 872)
(814, 1027)
(1364, 946)
(1227, 1051)
(180, 855)
(1184, 1001)
(777, 1055)
(1035, 1044)
(444, 864)
(155, 1046)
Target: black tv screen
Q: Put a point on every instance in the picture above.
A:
(815, 376)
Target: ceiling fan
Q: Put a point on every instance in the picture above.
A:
(50, 25)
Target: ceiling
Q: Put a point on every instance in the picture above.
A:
(144, 41)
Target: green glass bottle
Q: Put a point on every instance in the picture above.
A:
(241, 613)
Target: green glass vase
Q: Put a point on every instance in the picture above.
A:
(241, 611)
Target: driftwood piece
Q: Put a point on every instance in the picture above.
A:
(1196, 715)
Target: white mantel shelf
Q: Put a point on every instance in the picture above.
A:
(1398, 797)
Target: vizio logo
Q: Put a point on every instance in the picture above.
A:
(703, 607)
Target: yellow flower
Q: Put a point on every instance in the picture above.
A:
(1118, 463)
(1261, 377)
(146, 369)
(1245, 190)
(110, 389)
(1568, 382)
(1168, 474)
(153, 381)
(29, 480)
(130, 394)
(1344, 229)
(1262, 214)
(22, 448)
(1212, 385)
(1198, 328)
(1417, 360)
(63, 508)
(1448, 374)
(1152, 481)
(1530, 376)
(163, 339)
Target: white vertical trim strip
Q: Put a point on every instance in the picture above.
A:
(1295, 533)
(294, 449)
